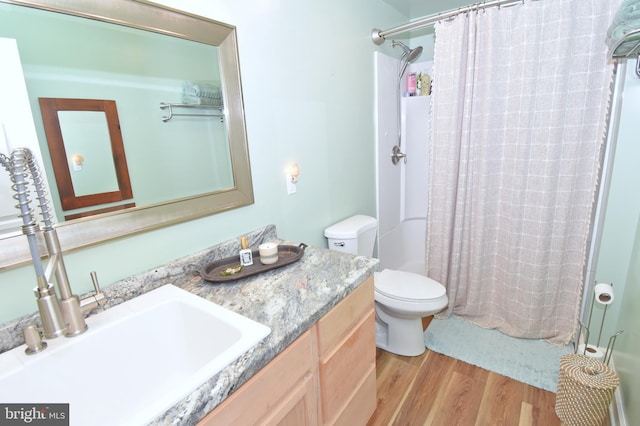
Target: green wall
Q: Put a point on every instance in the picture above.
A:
(627, 349)
(619, 259)
(307, 75)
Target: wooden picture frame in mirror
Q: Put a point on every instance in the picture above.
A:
(65, 163)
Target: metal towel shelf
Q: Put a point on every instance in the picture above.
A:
(625, 47)
(219, 110)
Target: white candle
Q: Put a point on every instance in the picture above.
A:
(268, 253)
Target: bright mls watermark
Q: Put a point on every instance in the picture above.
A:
(34, 414)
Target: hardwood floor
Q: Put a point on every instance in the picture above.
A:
(433, 389)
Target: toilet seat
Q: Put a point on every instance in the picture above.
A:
(407, 286)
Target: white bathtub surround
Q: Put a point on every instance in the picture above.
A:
(515, 162)
(401, 188)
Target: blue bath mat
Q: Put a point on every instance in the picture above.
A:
(530, 361)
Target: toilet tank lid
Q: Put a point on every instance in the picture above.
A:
(351, 227)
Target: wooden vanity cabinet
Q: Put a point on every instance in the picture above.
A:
(346, 339)
(327, 376)
(282, 393)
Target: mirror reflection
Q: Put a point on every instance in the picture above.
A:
(139, 70)
(187, 152)
(82, 132)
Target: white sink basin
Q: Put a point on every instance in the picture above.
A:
(136, 360)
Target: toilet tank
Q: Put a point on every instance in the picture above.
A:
(355, 235)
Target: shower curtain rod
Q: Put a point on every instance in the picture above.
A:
(379, 36)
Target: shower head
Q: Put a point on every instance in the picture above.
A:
(408, 55)
(414, 54)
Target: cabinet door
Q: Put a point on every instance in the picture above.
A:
(281, 393)
(345, 375)
(298, 408)
(362, 404)
(347, 358)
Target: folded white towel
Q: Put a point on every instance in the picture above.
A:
(196, 100)
(201, 90)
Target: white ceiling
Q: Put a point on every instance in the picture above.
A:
(418, 8)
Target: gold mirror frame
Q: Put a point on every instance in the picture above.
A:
(151, 17)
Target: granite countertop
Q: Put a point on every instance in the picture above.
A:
(289, 300)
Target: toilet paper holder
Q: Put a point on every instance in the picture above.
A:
(603, 294)
(609, 351)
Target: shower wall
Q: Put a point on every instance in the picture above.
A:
(402, 188)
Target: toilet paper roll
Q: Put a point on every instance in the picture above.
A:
(592, 352)
(604, 293)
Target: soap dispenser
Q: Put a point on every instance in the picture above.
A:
(246, 257)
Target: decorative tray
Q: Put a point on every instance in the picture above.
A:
(214, 271)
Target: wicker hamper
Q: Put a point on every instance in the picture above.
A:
(585, 389)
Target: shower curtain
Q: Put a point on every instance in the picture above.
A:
(519, 117)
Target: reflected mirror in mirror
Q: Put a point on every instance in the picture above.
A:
(143, 57)
(85, 136)
(87, 153)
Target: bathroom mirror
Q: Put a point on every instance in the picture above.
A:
(205, 201)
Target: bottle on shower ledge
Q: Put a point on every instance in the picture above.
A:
(411, 83)
(246, 257)
(425, 84)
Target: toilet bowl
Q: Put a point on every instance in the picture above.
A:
(402, 298)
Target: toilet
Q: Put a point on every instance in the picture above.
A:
(402, 298)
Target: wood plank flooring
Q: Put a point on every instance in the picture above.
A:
(433, 389)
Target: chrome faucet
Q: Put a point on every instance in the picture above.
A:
(64, 316)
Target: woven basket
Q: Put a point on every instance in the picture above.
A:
(585, 389)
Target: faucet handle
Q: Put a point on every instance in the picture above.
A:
(94, 279)
(94, 300)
